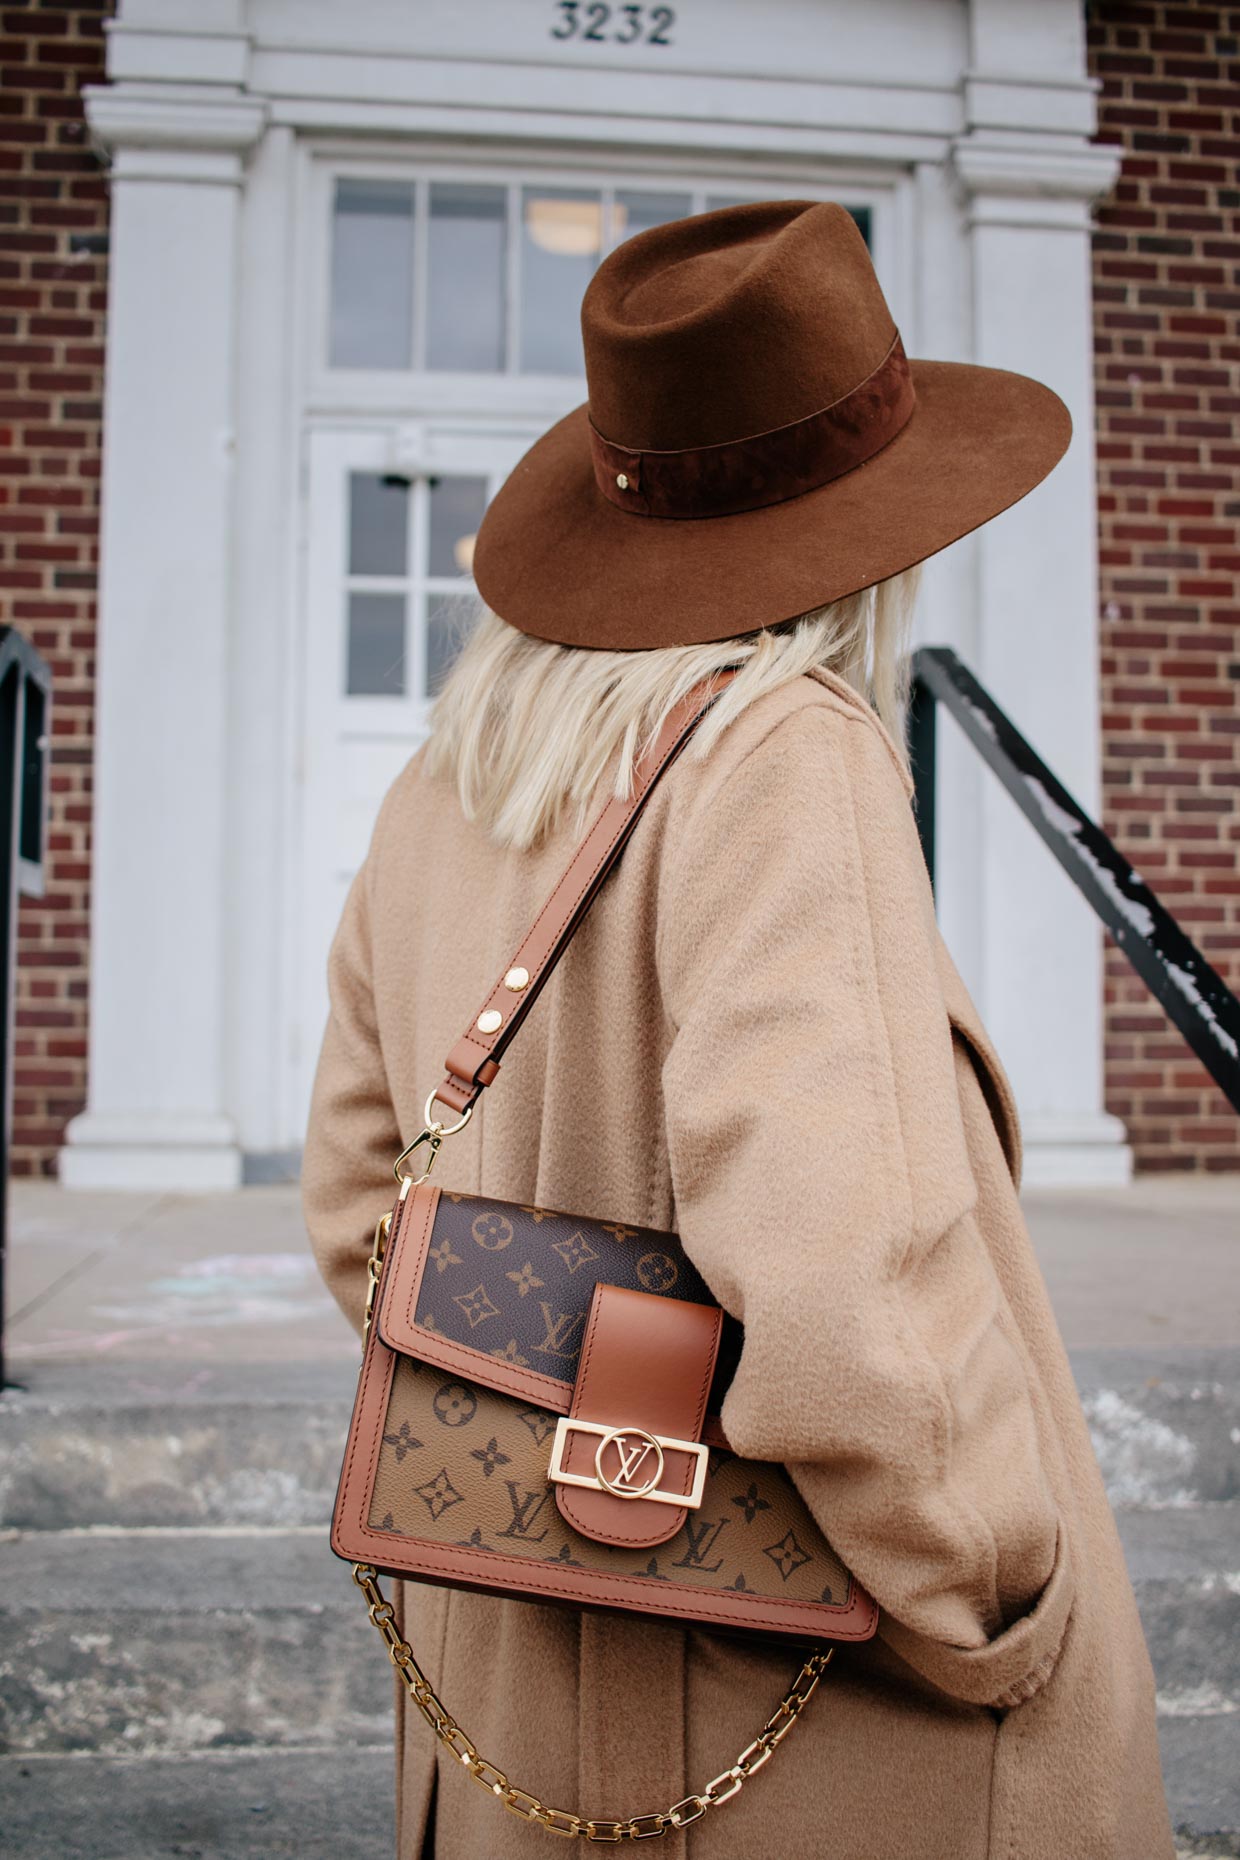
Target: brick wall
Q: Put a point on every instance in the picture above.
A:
(1167, 293)
(53, 209)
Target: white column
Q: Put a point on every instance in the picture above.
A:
(1027, 177)
(157, 1110)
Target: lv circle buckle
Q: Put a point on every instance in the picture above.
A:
(628, 1462)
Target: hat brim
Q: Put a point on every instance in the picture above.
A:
(557, 560)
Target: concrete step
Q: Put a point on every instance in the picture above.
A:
(319, 1803)
(1185, 1569)
(159, 1443)
(169, 1607)
(1165, 1424)
(263, 1606)
(179, 1643)
(173, 1642)
(1201, 1764)
(174, 1639)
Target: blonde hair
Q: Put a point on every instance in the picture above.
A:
(526, 730)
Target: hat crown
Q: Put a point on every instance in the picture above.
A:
(731, 324)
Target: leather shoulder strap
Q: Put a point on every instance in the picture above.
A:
(474, 1060)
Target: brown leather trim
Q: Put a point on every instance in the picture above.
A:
(405, 1266)
(416, 1559)
(647, 1362)
(474, 1060)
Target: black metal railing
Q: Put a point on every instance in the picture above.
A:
(1193, 995)
(25, 722)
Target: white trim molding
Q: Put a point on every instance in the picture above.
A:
(156, 1114)
(119, 121)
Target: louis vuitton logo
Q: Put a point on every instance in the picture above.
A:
(562, 1331)
(702, 1535)
(632, 1450)
(525, 1509)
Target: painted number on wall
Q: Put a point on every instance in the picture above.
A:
(617, 25)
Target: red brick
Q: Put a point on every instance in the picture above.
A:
(1170, 665)
(53, 343)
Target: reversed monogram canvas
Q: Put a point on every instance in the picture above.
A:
(463, 1466)
(482, 1313)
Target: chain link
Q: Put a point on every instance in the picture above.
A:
(649, 1827)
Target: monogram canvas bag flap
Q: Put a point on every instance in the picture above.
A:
(538, 1408)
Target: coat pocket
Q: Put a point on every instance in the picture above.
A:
(1012, 1667)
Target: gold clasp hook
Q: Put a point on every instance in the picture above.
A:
(434, 1134)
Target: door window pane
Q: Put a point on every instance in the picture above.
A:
(561, 235)
(638, 212)
(378, 525)
(376, 649)
(465, 278)
(457, 505)
(372, 275)
(449, 618)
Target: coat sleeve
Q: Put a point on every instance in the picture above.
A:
(823, 1187)
(353, 1136)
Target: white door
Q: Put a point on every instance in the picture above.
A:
(391, 517)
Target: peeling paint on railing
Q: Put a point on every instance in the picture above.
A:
(1193, 994)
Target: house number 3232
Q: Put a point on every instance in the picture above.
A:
(617, 25)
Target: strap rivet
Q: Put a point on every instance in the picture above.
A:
(517, 979)
(622, 480)
(489, 1021)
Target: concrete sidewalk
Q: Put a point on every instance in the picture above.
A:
(223, 1278)
(185, 1669)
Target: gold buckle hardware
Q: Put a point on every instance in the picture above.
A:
(635, 1473)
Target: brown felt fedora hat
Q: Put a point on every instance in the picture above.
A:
(756, 443)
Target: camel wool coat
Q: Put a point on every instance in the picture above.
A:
(758, 1040)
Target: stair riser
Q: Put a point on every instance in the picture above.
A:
(204, 1465)
(117, 1680)
(223, 1464)
(1192, 1630)
(127, 1683)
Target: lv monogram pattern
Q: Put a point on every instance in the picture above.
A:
(464, 1466)
(517, 1282)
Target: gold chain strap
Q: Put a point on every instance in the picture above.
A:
(520, 1802)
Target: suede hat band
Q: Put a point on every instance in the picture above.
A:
(746, 474)
(750, 399)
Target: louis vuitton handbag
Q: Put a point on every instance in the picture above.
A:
(573, 1451)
